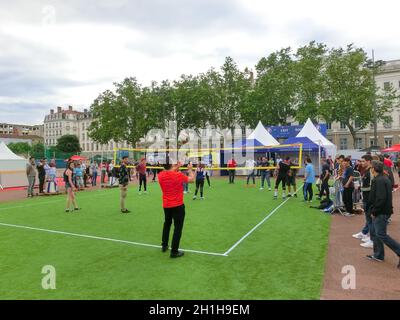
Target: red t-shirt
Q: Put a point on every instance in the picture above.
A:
(388, 162)
(171, 183)
(141, 168)
(231, 164)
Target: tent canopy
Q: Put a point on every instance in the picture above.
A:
(262, 136)
(311, 132)
(7, 154)
(394, 148)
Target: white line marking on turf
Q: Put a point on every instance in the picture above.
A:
(106, 239)
(257, 225)
(99, 193)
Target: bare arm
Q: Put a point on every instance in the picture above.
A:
(191, 173)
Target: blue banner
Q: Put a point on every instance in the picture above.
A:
(285, 132)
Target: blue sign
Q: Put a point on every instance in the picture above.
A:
(285, 132)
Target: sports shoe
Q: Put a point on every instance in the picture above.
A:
(289, 195)
(359, 235)
(194, 197)
(346, 214)
(369, 244)
(67, 210)
(125, 211)
(295, 195)
(164, 248)
(201, 198)
(275, 197)
(372, 257)
(261, 188)
(366, 239)
(177, 254)
(185, 192)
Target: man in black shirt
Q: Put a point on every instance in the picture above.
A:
(283, 168)
(348, 186)
(380, 202)
(324, 177)
(42, 175)
(123, 183)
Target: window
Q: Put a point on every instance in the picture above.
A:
(357, 124)
(387, 124)
(371, 142)
(388, 142)
(358, 143)
(343, 143)
(386, 85)
(329, 125)
(342, 125)
(83, 136)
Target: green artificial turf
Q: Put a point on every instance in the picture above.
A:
(284, 258)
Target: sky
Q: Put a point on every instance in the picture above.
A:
(60, 53)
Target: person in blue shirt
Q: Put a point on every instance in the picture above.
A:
(309, 179)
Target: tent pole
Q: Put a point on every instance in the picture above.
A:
(319, 156)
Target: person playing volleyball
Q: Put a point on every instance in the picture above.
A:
(283, 169)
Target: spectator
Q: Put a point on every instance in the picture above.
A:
(31, 175)
(41, 175)
(380, 201)
(348, 186)
(324, 177)
(94, 170)
(309, 179)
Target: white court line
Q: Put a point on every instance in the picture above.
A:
(36, 203)
(106, 239)
(257, 225)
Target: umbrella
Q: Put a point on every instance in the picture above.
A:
(77, 158)
(394, 148)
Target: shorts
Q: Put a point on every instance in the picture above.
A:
(291, 180)
(67, 186)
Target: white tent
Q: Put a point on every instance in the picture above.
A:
(262, 135)
(312, 133)
(12, 168)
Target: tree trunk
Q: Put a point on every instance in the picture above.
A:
(353, 133)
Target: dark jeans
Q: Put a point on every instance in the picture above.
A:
(308, 191)
(380, 237)
(368, 218)
(231, 176)
(142, 180)
(94, 178)
(177, 214)
(324, 188)
(251, 175)
(41, 183)
(265, 175)
(348, 199)
(199, 184)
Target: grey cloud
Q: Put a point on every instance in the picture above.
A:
(24, 113)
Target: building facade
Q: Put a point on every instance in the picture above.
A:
(70, 121)
(388, 133)
(21, 130)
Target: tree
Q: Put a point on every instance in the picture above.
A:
(20, 148)
(349, 91)
(309, 74)
(272, 100)
(68, 143)
(125, 115)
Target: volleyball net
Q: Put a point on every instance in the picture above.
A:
(246, 157)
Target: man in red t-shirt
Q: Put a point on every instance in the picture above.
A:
(232, 164)
(171, 181)
(141, 169)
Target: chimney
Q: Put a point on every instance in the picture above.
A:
(59, 109)
(70, 108)
(51, 111)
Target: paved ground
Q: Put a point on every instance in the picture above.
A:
(374, 280)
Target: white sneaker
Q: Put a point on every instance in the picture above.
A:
(366, 239)
(269, 189)
(359, 235)
(368, 244)
(261, 188)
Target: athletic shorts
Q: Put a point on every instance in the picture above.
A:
(291, 180)
(67, 186)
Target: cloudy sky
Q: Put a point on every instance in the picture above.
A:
(60, 53)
